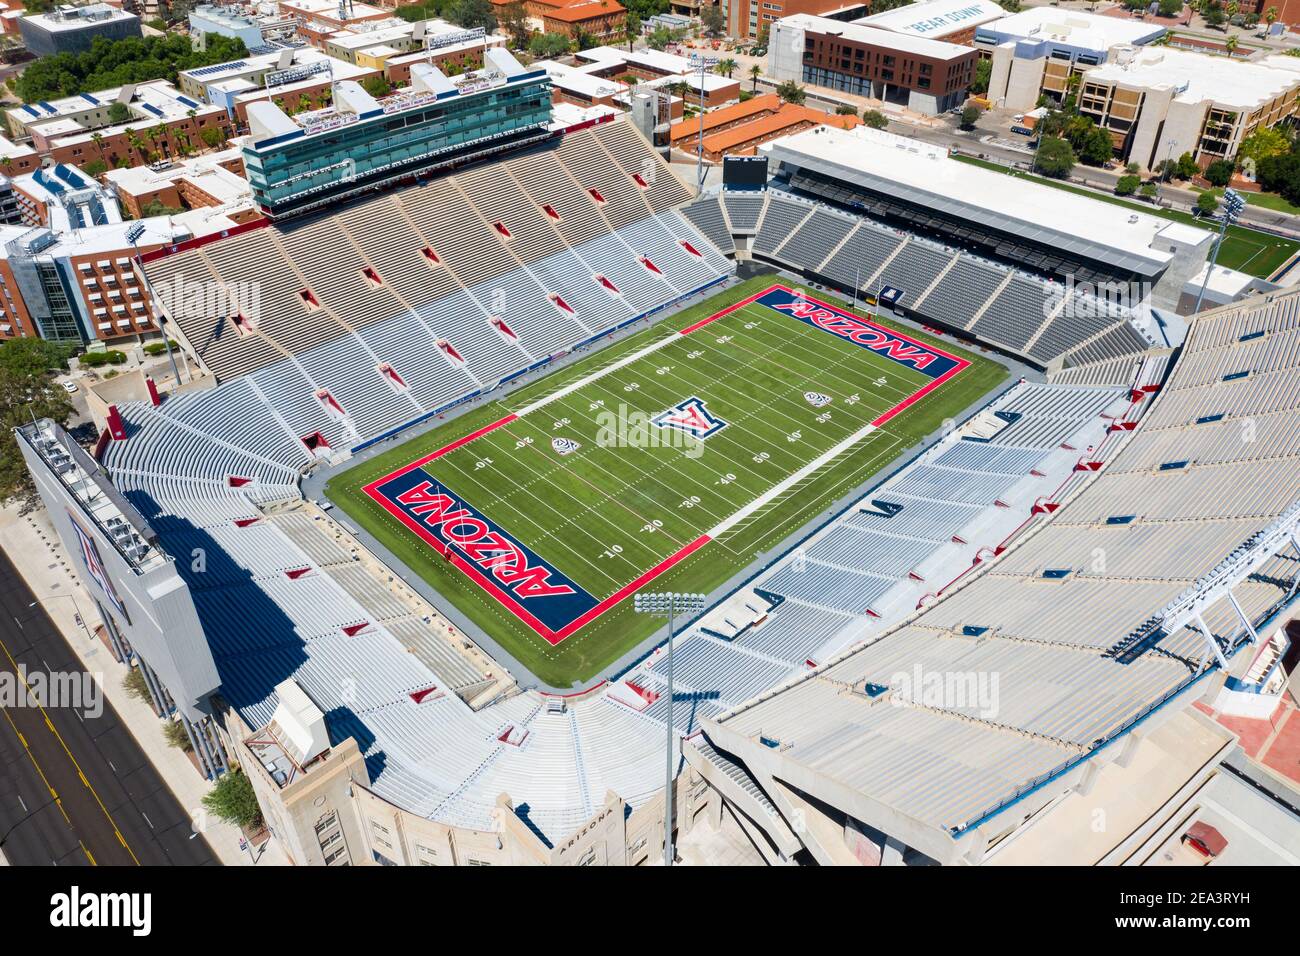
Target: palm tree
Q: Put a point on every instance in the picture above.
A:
(1230, 44)
(98, 139)
(755, 72)
(726, 67)
(1270, 16)
(631, 30)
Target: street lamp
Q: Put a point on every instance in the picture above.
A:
(1233, 205)
(704, 62)
(668, 604)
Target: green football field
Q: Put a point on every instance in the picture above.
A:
(666, 462)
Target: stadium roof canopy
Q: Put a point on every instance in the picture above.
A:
(937, 18)
(925, 175)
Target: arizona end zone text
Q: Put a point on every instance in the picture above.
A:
(536, 591)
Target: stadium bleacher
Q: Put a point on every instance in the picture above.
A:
(1043, 322)
(200, 467)
(1052, 622)
(445, 288)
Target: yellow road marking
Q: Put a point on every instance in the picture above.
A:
(59, 737)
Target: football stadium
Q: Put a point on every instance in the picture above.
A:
(386, 559)
(674, 458)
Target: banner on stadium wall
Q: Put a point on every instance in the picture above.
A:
(95, 567)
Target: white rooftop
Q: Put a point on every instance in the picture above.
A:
(927, 168)
(205, 172)
(82, 17)
(936, 17)
(582, 82)
(862, 33)
(1074, 28)
(1199, 77)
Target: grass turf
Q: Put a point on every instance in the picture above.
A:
(612, 509)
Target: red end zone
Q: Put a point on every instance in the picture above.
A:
(538, 594)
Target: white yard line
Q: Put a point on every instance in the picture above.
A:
(599, 373)
(792, 479)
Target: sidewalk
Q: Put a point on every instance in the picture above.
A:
(34, 548)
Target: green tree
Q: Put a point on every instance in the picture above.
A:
(1127, 185)
(377, 85)
(755, 72)
(514, 21)
(1055, 157)
(1170, 8)
(792, 92)
(726, 66)
(1096, 147)
(875, 119)
(212, 137)
(118, 113)
(114, 63)
(547, 46)
(1187, 167)
(713, 21)
(1207, 203)
(27, 391)
(472, 13)
(1148, 191)
(970, 116)
(983, 73)
(1262, 144)
(234, 801)
(1219, 172)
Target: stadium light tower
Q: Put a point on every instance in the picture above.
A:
(1233, 204)
(669, 604)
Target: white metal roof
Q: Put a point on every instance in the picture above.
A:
(935, 18)
(927, 170)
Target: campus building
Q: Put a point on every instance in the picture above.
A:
(216, 179)
(159, 120)
(749, 19)
(290, 77)
(740, 129)
(360, 143)
(72, 29)
(928, 76)
(594, 18)
(1159, 103)
(1038, 51)
(657, 70)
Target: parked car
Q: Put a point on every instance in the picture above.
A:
(69, 387)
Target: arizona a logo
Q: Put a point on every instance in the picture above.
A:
(564, 446)
(817, 399)
(692, 417)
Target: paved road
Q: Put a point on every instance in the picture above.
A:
(112, 807)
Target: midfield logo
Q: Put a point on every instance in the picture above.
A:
(692, 417)
(564, 446)
(816, 399)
